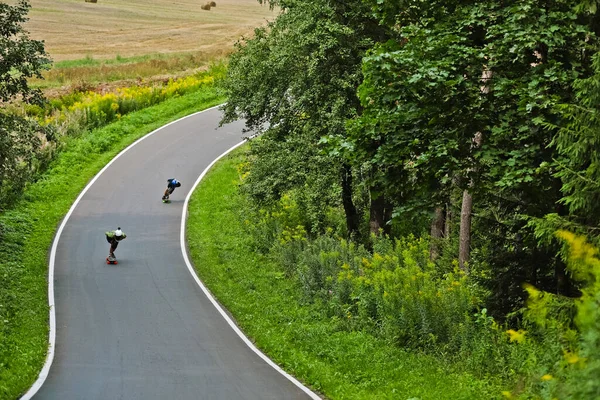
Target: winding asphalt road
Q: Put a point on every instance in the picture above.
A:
(143, 329)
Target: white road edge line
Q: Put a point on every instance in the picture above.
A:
(52, 334)
(52, 321)
(232, 324)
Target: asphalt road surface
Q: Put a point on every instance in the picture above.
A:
(143, 329)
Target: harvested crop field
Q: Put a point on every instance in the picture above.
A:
(74, 29)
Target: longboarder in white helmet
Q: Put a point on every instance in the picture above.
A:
(114, 237)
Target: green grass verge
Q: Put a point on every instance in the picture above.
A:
(268, 307)
(27, 231)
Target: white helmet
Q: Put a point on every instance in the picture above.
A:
(118, 232)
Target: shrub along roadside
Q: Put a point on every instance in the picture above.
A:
(296, 334)
(88, 109)
(393, 295)
(28, 228)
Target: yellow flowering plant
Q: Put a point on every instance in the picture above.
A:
(93, 109)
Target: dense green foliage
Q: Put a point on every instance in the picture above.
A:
(481, 115)
(495, 71)
(22, 57)
(302, 83)
(396, 294)
(301, 335)
(28, 228)
(328, 299)
(21, 150)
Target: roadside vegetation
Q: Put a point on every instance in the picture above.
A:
(288, 309)
(104, 74)
(384, 322)
(427, 174)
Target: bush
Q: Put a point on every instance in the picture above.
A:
(393, 291)
(567, 333)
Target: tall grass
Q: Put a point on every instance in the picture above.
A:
(91, 71)
(27, 230)
(90, 109)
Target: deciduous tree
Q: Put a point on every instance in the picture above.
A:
(297, 77)
(20, 139)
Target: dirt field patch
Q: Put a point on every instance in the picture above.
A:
(74, 29)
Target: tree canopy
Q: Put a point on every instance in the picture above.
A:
(20, 57)
(419, 101)
(298, 76)
(20, 139)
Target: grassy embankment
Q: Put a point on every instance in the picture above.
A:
(296, 335)
(27, 231)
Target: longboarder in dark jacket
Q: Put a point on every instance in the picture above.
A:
(171, 185)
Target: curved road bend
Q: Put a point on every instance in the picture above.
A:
(143, 329)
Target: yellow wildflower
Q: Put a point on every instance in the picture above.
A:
(546, 378)
(533, 292)
(571, 358)
(516, 336)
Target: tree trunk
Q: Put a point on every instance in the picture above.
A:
(387, 217)
(467, 202)
(448, 221)
(349, 208)
(437, 230)
(465, 231)
(377, 216)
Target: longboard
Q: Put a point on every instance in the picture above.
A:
(111, 260)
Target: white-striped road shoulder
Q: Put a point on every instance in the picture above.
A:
(52, 318)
